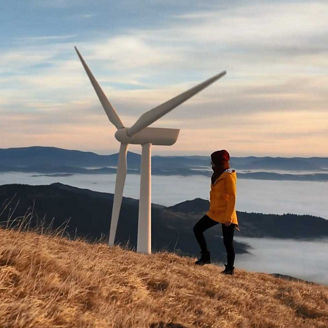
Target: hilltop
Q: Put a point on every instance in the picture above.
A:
(50, 281)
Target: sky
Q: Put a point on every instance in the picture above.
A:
(272, 102)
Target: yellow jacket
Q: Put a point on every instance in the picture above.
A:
(223, 198)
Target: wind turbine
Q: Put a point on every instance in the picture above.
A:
(141, 134)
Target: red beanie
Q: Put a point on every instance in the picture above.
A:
(220, 156)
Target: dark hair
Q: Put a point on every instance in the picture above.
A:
(219, 157)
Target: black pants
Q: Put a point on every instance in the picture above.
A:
(205, 223)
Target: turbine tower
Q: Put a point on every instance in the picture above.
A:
(140, 134)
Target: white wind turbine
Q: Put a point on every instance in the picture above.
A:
(139, 133)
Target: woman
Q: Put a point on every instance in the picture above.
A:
(222, 209)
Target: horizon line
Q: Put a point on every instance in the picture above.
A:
(183, 154)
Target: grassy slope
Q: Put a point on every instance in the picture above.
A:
(53, 282)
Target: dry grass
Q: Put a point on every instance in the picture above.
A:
(49, 281)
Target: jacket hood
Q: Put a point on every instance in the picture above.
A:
(232, 173)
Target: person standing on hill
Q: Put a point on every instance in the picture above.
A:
(222, 209)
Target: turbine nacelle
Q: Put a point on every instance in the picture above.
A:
(155, 136)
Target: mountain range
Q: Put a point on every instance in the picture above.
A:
(57, 161)
(86, 214)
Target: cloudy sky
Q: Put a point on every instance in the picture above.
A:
(273, 100)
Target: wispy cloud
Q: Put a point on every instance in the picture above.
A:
(46, 38)
(275, 54)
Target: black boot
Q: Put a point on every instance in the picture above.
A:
(204, 259)
(228, 270)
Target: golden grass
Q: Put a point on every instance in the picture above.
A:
(49, 281)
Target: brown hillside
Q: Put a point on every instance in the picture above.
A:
(53, 282)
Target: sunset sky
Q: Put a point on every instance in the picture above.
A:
(273, 100)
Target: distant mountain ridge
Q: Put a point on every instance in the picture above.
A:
(56, 157)
(52, 160)
(89, 217)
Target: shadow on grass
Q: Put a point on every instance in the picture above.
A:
(162, 324)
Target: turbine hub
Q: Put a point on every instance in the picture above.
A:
(121, 135)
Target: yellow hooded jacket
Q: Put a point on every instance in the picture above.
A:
(223, 198)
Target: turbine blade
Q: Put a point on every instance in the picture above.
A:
(154, 114)
(119, 186)
(110, 111)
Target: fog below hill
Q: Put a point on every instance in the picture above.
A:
(265, 196)
(306, 260)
